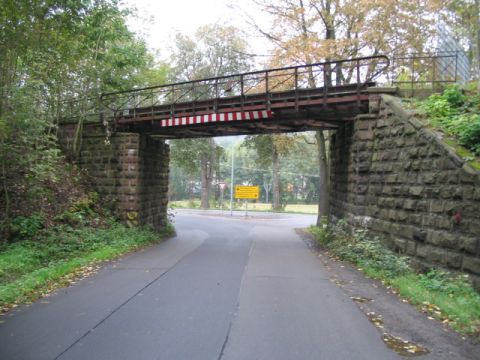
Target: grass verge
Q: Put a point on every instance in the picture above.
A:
(57, 257)
(444, 296)
(252, 206)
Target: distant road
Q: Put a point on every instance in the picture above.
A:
(223, 288)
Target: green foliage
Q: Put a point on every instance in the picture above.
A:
(454, 96)
(216, 50)
(24, 227)
(28, 268)
(323, 235)
(467, 129)
(445, 296)
(360, 248)
(442, 281)
(457, 114)
(81, 212)
(52, 51)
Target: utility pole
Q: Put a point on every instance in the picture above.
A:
(232, 180)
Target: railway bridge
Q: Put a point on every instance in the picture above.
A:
(388, 172)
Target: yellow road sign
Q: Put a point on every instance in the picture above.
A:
(247, 192)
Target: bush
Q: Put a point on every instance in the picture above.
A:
(368, 251)
(442, 281)
(468, 132)
(360, 248)
(81, 211)
(23, 227)
(457, 115)
(443, 295)
(453, 94)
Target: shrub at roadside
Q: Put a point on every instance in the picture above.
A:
(457, 114)
(30, 268)
(443, 295)
(40, 258)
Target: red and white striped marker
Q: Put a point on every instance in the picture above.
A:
(216, 117)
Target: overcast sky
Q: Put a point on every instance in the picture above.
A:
(158, 20)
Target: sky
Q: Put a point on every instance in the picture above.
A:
(159, 20)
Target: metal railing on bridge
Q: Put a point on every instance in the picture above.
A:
(257, 84)
(427, 71)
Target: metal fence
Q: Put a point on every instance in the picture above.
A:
(325, 75)
(428, 70)
(418, 71)
(448, 63)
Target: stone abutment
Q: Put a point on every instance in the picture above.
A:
(129, 171)
(401, 181)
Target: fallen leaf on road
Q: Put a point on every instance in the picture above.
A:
(404, 347)
(360, 299)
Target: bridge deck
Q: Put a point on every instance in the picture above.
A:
(291, 99)
(292, 111)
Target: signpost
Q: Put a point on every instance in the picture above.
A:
(247, 192)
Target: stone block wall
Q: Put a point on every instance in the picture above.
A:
(130, 172)
(399, 179)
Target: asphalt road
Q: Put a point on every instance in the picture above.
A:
(223, 288)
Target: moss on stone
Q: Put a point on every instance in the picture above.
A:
(463, 153)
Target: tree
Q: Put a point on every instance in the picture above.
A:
(300, 168)
(269, 149)
(308, 31)
(464, 17)
(215, 51)
(194, 154)
(51, 51)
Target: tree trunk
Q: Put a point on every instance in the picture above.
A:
(476, 52)
(204, 204)
(5, 190)
(275, 180)
(324, 192)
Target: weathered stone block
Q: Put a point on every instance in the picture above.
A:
(442, 239)
(453, 260)
(436, 255)
(411, 248)
(443, 222)
(400, 245)
(437, 206)
(451, 206)
(469, 244)
(381, 123)
(476, 194)
(365, 135)
(409, 129)
(423, 250)
(416, 190)
(435, 151)
(413, 153)
(391, 178)
(409, 204)
(474, 227)
(415, 219)
(420, 265)
(428, 178)
(471, 264)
